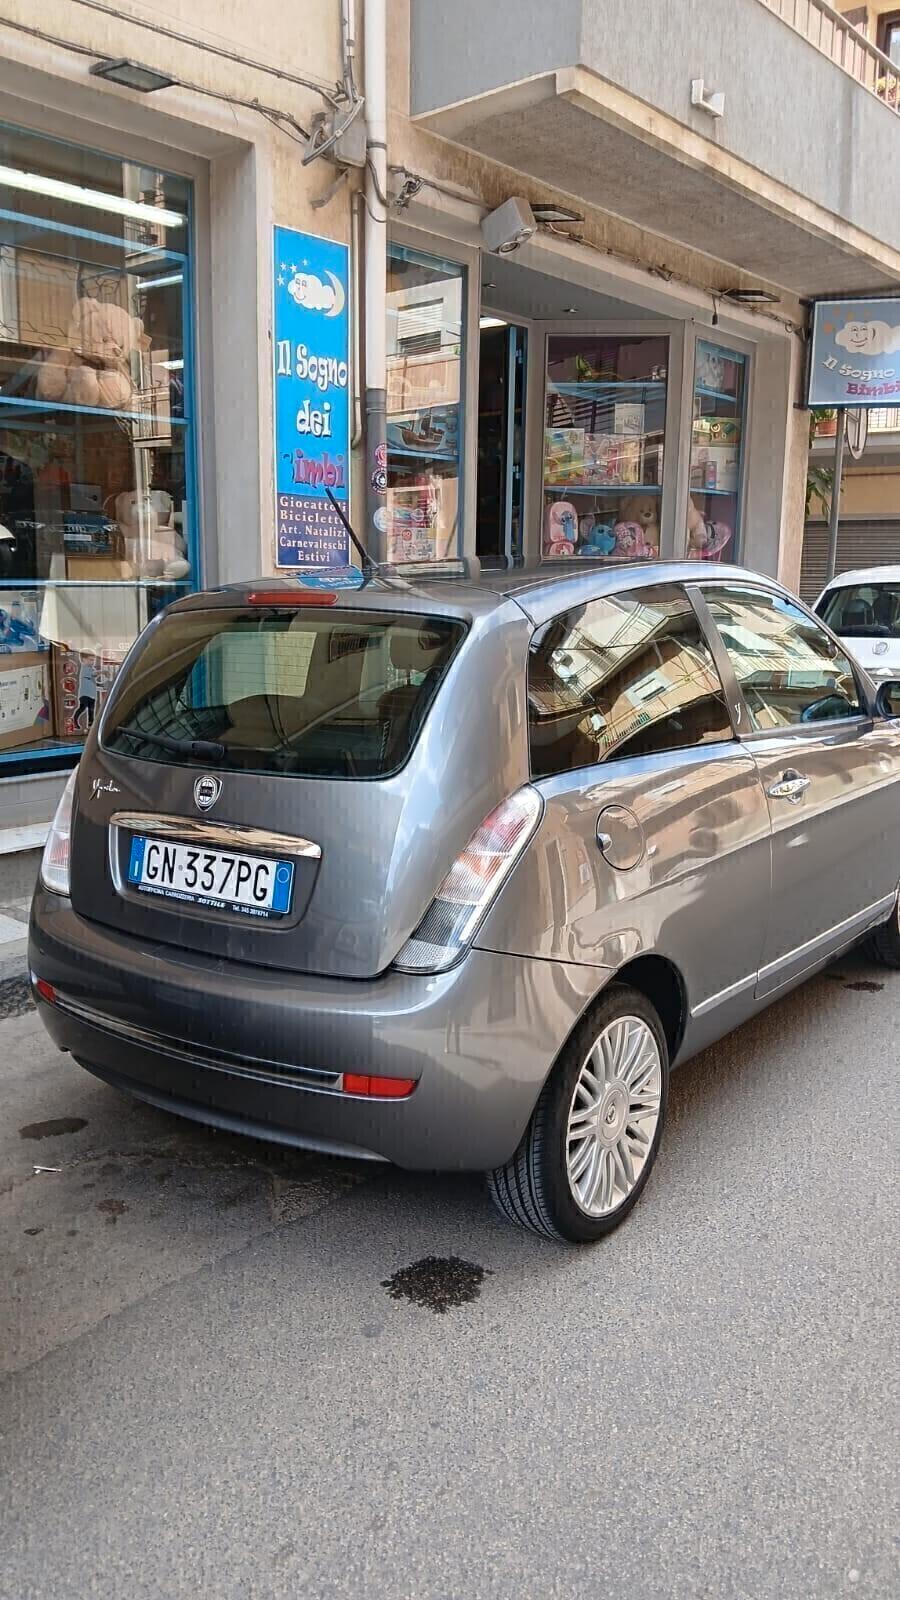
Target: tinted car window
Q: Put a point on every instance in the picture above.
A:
(626, 675)
(789, 669)
(863, 610)
(340, 694)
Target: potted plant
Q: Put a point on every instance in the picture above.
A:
(824, 422)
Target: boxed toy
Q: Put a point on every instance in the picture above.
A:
(24, 700)
(82, 680)
(716, 466)
(19, 623)
(609, 458)
(563, 455)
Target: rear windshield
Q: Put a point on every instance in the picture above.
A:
(863, 611)
(300, 692)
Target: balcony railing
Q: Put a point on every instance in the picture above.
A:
(843, 44)
(884, 419)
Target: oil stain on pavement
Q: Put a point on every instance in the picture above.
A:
(53, 1128)
(437, 1282)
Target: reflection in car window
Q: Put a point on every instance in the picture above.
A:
(863, 611)
(626, 675)
(788, 668)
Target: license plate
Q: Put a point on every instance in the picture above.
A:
(224, 880)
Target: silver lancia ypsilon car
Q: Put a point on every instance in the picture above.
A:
(449, 870)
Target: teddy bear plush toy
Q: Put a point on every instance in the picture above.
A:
(95, 369)
(153, 546)
(704, 539)
(641, 508)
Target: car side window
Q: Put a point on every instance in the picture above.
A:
(626, 675)
(789, 669)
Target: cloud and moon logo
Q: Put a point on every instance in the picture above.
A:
(863, 335)
(313, 294)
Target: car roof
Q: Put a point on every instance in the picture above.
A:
(541, 590)
(848, 580)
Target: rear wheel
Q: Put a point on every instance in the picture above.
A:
(885, 941)
(595, 1131)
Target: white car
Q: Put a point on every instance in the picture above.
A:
(863, 609)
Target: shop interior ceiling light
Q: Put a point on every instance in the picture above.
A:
(750, 297)
(116, 204)
(131, 75)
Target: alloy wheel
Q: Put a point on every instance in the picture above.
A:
(613, 1116)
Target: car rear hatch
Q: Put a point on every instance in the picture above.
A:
(268, 773)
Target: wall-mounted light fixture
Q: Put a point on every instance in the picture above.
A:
(749, 297)
(712, 104)
(561, 214)
(131, 75)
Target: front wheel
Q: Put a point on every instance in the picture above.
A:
(595, 1131)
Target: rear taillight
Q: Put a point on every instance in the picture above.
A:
(57, 850)
(472, 884)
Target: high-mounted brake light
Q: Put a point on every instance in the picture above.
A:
(58, 848)
(472, 884)
(297, 597)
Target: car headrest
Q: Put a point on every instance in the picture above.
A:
(415, 652)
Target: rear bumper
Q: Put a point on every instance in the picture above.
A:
(259, 1051)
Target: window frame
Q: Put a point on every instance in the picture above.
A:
(886, 24)
(738, 704)
(674, 587)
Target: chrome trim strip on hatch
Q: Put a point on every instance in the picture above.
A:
(190, 830)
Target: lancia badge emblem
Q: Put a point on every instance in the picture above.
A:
(206, 792)
(880, 647)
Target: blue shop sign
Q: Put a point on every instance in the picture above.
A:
(312, 399)
(854, 356)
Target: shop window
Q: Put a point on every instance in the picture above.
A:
(717, 452)
(603, 446)
(626, 675)
(425, 364)
(97, 520)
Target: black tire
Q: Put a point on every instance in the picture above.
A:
(533, 1189)
(884, 943)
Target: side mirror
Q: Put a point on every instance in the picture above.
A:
(887, 698)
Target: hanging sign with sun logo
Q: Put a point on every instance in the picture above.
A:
(311, 357)
(854, 353)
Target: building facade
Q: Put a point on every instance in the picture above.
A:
(613, 364)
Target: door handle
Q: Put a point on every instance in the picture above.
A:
(790, 786)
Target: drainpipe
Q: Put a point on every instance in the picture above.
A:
(375, 93)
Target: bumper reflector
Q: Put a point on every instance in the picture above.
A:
(378, 1088)
(44, 989)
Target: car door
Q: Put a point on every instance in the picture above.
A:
(655, 836)
(829, 770)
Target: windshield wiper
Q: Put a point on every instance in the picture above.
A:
(201, 749)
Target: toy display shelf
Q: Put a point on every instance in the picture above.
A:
(422, 457)
(717, 394)
(727, 492)
(29, 408)
(590, 387)
(10, 581)
(603, 488)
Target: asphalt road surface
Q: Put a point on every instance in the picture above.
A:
(208, 1390)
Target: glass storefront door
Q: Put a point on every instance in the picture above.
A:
(97, 512)
(426, 300)
(605, 421)
(712, 532)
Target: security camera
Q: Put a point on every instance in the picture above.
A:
(509, 226)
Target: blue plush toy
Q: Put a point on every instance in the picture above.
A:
(600, 541)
